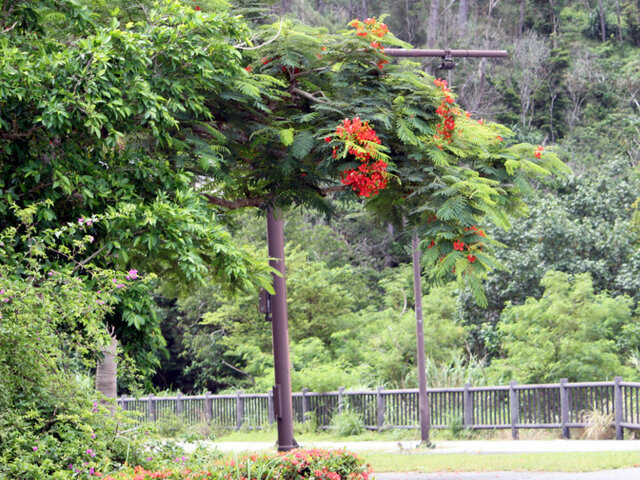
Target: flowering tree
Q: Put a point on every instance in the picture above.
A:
(341, 117)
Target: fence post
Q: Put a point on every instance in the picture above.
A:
(179, 404)
(305, 404)
(123, 397)
(564, 408)
(340, 397)
(514, 407)
(617, 407)
(239, 409)
(467, 406)
(208, 407)
(152, 408)
(380, 409)
(272, 415)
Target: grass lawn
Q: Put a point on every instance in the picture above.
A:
(540, 462)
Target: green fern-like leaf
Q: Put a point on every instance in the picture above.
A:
(302, 144)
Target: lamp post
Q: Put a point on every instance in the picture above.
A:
(447, 63)
(282, 400)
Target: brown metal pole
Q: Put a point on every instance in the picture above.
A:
(423, 399)
(283, 406)
(420, 52)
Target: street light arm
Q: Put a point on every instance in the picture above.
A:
(418, 52)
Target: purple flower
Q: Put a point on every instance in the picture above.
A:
(34, 448)
(91, 471)
(132, 274)
(81, 220)
(91, 452)
(93, 435)
(71, 466)
(5, 299)
(119, 285)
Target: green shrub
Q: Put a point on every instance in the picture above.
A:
(347, 423)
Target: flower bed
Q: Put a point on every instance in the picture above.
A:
(294, 465)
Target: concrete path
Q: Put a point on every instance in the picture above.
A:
(622, 474)
(444, 447)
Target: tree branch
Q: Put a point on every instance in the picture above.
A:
(307, 95)
(8, 29)
(235, 204)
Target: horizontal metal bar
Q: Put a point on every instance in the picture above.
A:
(419, 52)
(630, 384)
(537, 425)
(501, 388)
(541, 386)
(589, 384)
(633, 426)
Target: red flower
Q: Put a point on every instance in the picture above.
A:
(458, 245)
(198, 8)
(248, 68)
(327, 139)
(471, 258)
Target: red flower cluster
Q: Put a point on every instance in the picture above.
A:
(475, 229)
(360, 133)
(447, 114)
(370, 177)
(370, 27)
(538, 151)
(373, 30)
(458, 245)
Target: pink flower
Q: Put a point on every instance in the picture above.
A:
(133, 274)
(91, 452)
(81, 220)
(50, 273)
(34, 448)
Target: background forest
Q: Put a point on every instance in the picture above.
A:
(566, 302)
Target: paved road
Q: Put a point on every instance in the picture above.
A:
(623, 474)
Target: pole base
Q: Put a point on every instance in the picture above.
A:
(426, 444)
(286, 448)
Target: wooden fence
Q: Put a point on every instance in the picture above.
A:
(564, 405)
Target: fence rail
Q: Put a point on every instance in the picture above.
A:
(563, 405)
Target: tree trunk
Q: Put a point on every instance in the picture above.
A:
(462, 14)
(619, 22)
(432, 25)
(603, 25)
(521, 19)
(106, 371)
(365, 10)
(554, 22)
